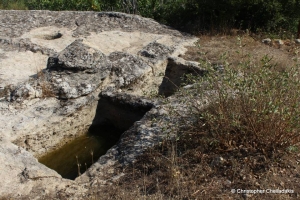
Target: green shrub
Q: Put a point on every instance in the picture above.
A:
(13, 5)
(63, 5)
(189, 15)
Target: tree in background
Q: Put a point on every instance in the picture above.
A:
(13, 5)
(58, 5)
(188, 15)
(298, 34)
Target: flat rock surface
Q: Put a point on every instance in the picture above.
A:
(45, 32)
(22, 167)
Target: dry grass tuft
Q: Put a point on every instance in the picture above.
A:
(44, 84)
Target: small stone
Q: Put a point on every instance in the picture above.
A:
(94, 183)
(280, 42)
(38, 94)
(297, 41)
(227, 183)
(218, 161)
(188, 86)
(266, 41)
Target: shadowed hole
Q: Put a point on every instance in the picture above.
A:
(174, 77)
(51, 36)
(111, 120)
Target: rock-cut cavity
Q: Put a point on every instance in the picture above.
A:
(73, 158)
(175, 75)
(51, 36)
(114, 115)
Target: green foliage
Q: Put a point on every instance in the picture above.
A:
(190, 15)
(112, 5)
(269, 15)
(223, 14)
(63, 5)
(13, 5)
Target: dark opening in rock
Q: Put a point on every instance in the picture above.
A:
(51, 36)
(174, 76)
(114, 115)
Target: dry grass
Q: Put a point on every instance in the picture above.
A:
(199, 174)
(212, 47)
(248, 139)
(44, 84)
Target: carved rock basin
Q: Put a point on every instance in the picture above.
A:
(60, 74)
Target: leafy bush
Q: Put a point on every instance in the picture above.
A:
(63, 5)
(13, 5)
(191, 15)
(221, 15)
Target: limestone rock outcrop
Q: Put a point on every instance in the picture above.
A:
(53, 66)
(77, 70)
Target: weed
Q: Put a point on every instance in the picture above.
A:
(78, 166)
(44, 84)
